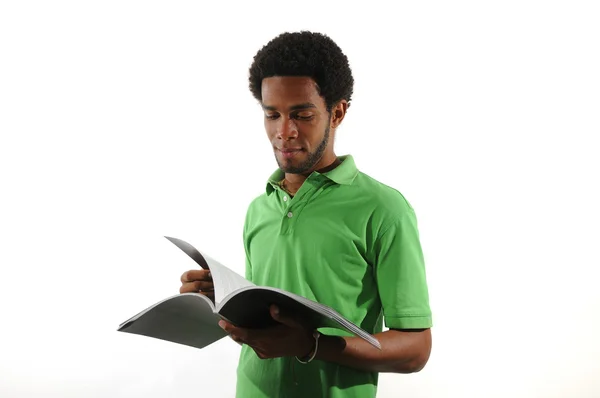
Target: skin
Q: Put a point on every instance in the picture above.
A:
(296, 118)
(302, 132)
(197, 281)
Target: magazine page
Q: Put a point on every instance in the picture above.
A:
(186, 319)
(224, 279)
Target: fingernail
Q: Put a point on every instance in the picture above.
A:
(222, 324)
(276, 310)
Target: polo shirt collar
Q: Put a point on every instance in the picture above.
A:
(343, 174)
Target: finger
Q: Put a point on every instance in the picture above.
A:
(196, 286)
(237, 340)
(261, 354)
(226, 326)
(239, 334)
(284, 318)
(196, 275)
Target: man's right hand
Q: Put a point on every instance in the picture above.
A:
(198, 281)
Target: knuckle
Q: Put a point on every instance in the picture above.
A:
(184, 277)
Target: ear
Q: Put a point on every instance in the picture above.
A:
(338, 112)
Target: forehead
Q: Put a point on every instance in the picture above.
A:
(286, 91)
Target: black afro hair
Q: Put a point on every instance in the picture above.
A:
(306, 54)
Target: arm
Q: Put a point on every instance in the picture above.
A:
(402, 351)
(400, 274)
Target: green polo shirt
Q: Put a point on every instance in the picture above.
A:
(344, 240)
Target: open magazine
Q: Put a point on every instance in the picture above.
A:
(192, 318)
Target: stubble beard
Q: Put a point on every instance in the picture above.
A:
(312, 159)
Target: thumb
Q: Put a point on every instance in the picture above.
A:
(284, 318)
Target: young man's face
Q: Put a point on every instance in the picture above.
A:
(297, 124)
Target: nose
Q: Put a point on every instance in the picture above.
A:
(286, 129)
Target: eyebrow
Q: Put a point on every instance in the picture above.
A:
(305, 105)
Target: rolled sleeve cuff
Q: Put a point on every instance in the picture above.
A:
(409, 322)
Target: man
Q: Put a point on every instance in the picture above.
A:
(326, 231)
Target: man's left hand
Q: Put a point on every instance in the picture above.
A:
(289, 338)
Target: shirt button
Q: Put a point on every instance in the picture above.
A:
(290, 214)
(285, 198)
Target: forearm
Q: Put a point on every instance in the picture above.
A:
(401, 352)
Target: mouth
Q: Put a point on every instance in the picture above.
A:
(289, 153)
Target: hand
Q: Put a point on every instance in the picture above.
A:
(289, 338)
(198, 281)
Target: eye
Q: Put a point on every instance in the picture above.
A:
(271, 116)
(304, 116)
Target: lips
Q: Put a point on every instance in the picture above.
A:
(289, 152)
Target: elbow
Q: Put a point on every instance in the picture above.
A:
(418, 364)
(413, 366)
(414, 355)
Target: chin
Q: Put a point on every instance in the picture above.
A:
(297, 165)
(294, 168)
(288, 163)
(287, 167)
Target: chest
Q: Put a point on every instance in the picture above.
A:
(313, 244)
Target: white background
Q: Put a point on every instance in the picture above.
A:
(125, 121)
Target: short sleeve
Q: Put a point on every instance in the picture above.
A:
(248, 274)
(400, 274)
(248, 270)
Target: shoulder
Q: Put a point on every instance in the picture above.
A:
(256, 207)
(388, 201)
(256, 203)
